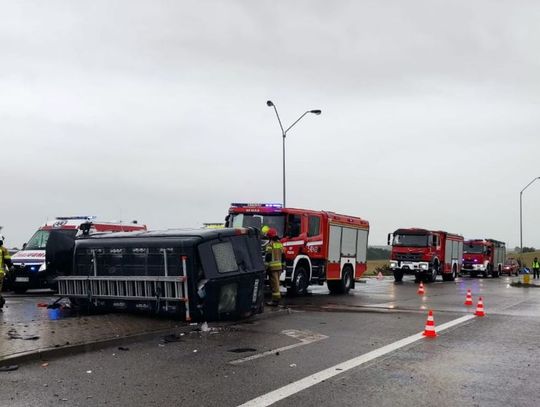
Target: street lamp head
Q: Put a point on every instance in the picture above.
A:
(316, 111)
(269, 103)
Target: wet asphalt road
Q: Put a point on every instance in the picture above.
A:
(490, 361)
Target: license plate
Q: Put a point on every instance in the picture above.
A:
(22, 279)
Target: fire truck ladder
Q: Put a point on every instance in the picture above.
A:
(151, 288)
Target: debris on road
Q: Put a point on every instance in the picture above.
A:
(9, 368)
(45, 364)
(292, 365)
(171, 338)
(13, 334)
(123, 348)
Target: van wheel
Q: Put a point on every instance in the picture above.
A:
(20, 290)
(496, 273)
(299, 283)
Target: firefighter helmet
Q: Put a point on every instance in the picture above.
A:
(271, 233)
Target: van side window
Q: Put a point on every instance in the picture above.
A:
(224, 256)
(314, 226)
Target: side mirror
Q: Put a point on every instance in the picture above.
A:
(388, 239)
(24, 246)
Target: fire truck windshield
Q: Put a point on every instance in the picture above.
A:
(256, 220)
(473, 248)
(39, 240)
(410, 240)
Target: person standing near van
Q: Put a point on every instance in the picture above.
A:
(274, 264)
(5, 261)
(536, 268)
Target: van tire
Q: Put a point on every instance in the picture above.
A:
(20, 290)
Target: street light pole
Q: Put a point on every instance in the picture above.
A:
(521, 214)
(269, 103)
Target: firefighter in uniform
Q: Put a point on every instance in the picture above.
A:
(5, 261)
(274, 255)
(536, 268)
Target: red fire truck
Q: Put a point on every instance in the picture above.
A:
(319, 246)
(425, 253)
(483, 256)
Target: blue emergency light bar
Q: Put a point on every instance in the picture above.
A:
(75, 217)
(260, 205)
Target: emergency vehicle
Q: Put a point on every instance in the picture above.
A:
(193, 274)
(483, 256)
(320, 246)
(30, 264)
(425, 253)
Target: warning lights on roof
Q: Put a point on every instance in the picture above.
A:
(75, 217)
(258, 205)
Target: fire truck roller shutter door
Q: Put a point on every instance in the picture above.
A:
(348, 249)
(333, 268)
(447, 256)
(361, 253)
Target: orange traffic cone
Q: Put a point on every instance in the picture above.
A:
(429, 330)
(421, 290)
(480, 308)
(380, 276)
(468, 300)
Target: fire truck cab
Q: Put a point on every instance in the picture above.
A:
(320, 246)
(425, 254)
(32, 268)
(483, 256)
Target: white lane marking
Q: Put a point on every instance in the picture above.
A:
(305, 338)
(316, 378)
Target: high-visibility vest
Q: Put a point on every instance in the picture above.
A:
(4, 255)
(274, 250)
(536, 264)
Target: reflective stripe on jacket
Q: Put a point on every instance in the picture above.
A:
(274, 254)
(4, 255)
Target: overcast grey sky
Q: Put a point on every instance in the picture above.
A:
(155, 110)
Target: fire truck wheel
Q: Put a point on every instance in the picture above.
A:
(496, 273)
(432, 276)
(398, 276)
(299, 283)
(342, 286)
(346, 281)
(450, 276)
